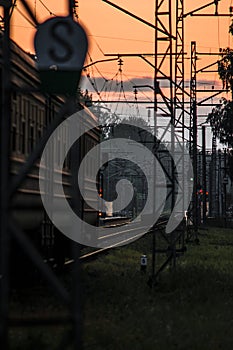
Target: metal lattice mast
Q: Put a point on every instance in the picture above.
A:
(179, 108)
(179, 65)
(193, 134)
(164, 70)
(213, 182)
(163, 43)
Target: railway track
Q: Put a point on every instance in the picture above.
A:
(127, 233)
(122, 231)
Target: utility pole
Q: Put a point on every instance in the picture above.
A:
(225, 181)
(214, 194)
(165, 60)
(204, 173)
(5, 122)
(193, 137)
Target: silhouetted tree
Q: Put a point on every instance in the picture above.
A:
(225, 68)
(221, 121)
(221, 117)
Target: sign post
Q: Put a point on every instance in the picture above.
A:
(61, 45)
(5, 123)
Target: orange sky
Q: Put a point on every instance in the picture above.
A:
(116, 32)
(111, 31)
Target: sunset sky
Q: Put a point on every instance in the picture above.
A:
(111, 31)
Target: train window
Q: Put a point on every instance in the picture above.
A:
(49, 111)
(13, 112)
(22, 142)
(26, 108)
(39, 134)
(22, 107)
(14, 95)
(14, 138)
(65, 165)
(32, 113)
(58, 152)
(28, 105)
(18, 105)
(35, 113)
(88, 167)
(46, 112)
(87, 171)
(31, 138)
(53, 111)
(92, 166)
(41, 118)
(66, 162)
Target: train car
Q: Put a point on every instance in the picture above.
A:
(31, 113)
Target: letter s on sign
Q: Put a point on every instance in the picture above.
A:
(66, 50)
(62, 42)
(61, 46)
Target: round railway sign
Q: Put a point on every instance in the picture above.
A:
(61, 46)
(6, 3)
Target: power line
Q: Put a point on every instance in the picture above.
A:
(76, 5)
(35, 8)
(13, 7)
(19, 26)
(141, 91)
(46, 7)
(28, 19)
(98, 46)
(25, 17)
(120, 38)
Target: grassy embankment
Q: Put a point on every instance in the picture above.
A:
(191, 308)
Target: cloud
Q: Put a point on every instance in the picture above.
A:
(115, 85)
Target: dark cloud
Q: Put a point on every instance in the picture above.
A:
(115, 85)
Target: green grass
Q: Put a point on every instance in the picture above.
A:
(190, 308)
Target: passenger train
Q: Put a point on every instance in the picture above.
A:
(31, 113)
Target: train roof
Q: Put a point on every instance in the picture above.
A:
(25, 73)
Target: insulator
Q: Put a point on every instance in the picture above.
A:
(120, 62)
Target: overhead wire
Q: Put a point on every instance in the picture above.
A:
(107, 87)
(91, 77)
(46, 7)
(218, 32)
(25, 17)
(124, 39)
(229, 22)
(116, 91)
(35, 8)
(122, 88)
(104, 87)
(123, 91)
(76, 5)
(12, 8)
(110, 84)
(136, 104)
(93, 80)
(98, 45)
(98, 70)
(141, 91)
